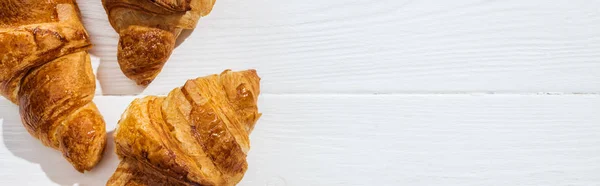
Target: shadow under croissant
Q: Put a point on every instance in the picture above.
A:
(107, 68)
(21, 144)
(182, 36)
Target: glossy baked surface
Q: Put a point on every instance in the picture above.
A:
(198, 134)
(148, 30)
(46, 70)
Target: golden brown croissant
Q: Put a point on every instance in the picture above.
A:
(197, 135)
(46, 70)
(148, 30)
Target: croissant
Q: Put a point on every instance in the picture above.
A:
(45, 69)
(196, 135)
(148, 30)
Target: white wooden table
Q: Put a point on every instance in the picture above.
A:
(376, 92)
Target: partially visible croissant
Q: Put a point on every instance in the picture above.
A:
(197, 135)
(148, 30)
(46, 70)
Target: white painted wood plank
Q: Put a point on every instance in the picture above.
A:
(380, 46)
(374, 140)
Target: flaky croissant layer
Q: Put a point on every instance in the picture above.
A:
(46, 70)
(197, 135)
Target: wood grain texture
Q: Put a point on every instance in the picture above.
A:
(373, 140)
(320, 61)
(385, 46)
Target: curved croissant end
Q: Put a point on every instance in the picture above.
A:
(46, 70)
(148, 30)
(197, 135)
(56, 106)
(143, 51)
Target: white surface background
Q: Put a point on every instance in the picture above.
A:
(366, 92)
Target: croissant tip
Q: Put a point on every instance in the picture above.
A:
(143, 51)
(80, 169)
(83, 169)
(225, 71)
(144, 83)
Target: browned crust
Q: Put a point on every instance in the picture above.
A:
(197, 135)
(130, 173)
(46, 70)
(154, 25)
(143, 51)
